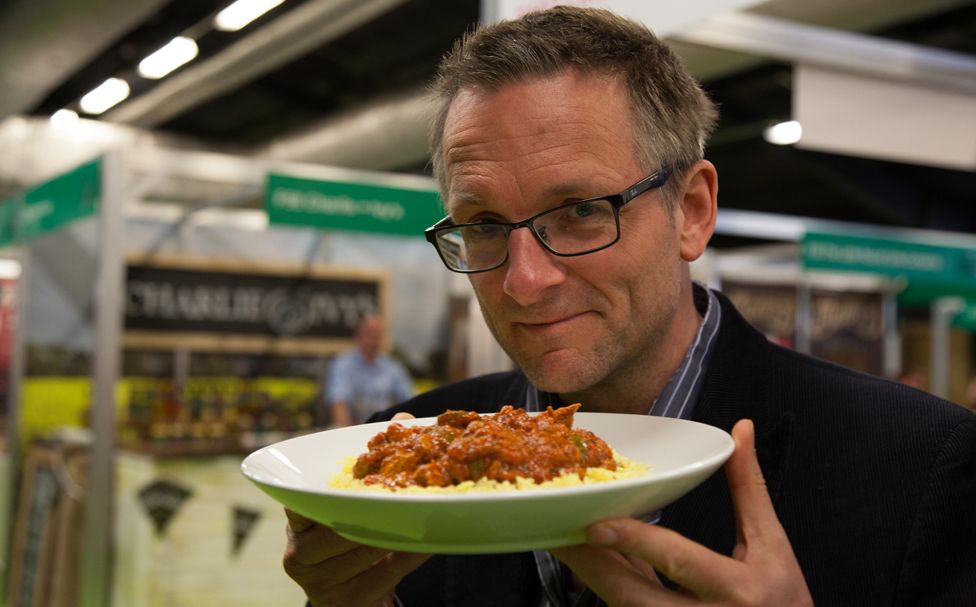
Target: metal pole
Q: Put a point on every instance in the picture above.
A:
(96, 565)
(804, 317)
(891, 362)
(944, 309)
(14, 390)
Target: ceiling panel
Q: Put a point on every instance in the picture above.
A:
(396, 52)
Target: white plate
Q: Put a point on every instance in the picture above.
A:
(296, 472)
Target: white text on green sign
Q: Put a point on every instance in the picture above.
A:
(55, 203)
(349, 206)
(916, 261)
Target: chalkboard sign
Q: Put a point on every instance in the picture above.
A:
(35, 531)
(204, 304)
(45, 491)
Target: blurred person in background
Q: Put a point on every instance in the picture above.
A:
(844, 489)
(971, 394)
(364, 380)
(913, 378)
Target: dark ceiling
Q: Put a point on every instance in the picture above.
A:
(400, 49)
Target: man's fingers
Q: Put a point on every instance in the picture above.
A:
(335, 571)
(763, 563)
(368, 586)
(644, 568)
(613, 578)
(310, 543)
(401, 416)
(388, 572)
(296, 522)
(754, 511)
(686, 562)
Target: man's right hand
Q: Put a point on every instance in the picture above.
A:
(335, 571)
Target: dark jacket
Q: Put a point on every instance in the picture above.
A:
(874, 482)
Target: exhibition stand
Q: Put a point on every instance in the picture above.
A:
(177, 310)
(934, 271)
(850, 319)
(888, 301)
(166, 330)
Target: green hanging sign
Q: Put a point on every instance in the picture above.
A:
(8, 220)
(891, 257)
(349, 206)
(51, 205)
(966, 318)
(930, 271)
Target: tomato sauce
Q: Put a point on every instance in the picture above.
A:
(464, 445)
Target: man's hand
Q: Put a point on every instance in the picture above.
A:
(335, 571)
(619, 561)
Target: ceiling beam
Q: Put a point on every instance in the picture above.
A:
(45, 42)
(385, 135)
(389, 135)
(792, 228)
(793, 42)
(288, 37)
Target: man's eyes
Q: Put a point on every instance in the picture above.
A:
(584, 209)
(484, 227)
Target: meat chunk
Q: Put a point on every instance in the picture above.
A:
(464, 445)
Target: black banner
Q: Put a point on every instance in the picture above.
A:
(162, 499)
(244, 519)
(181, 300)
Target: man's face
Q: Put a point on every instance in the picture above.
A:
(571, 323)
(369, 336)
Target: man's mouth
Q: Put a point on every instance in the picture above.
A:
(550, 325)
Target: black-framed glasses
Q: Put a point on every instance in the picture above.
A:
(572, 229)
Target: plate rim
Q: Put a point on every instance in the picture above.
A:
(711, 462)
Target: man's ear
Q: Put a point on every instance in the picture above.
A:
(696, 209)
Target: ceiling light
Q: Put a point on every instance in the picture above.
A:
(783, 133)
(9, 269)
(177, 51)
(104, 96)
(242, 12)
(63, 118)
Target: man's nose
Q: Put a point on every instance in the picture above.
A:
(531, 269)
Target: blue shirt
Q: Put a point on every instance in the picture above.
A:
(367, 387)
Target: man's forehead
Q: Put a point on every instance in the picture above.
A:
(602, 77)
(561, 145)
(559, 188)
(517, 85)
(567, 185)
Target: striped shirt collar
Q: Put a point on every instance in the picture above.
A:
(677, 399)
(679, 395)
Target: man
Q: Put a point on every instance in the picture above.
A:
(364, 381)
(569, 150)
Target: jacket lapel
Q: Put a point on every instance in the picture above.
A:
(734, 388)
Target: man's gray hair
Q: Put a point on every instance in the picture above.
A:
(673, 116)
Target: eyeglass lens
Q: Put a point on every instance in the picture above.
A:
(567, 230)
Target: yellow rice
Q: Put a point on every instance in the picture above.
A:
(626, 468)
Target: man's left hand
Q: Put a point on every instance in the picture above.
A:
(621, 556)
